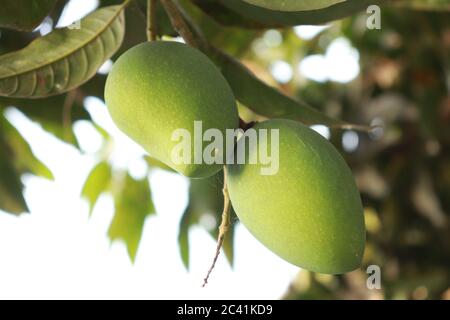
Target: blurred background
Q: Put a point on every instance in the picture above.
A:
(85, 213)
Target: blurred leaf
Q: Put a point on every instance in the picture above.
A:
(98, 182)
(136, 23)
(183, 237)
(240, 14)
(24, 15)
(16, 158)
(133, 203)
(24, 159)
(205, 199)
(11, 197)
(65, 58)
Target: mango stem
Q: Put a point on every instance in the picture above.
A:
(224, 225)
(152, 31)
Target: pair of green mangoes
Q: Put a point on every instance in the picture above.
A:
(309, 212)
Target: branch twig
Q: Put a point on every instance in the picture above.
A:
(178, 22)
(152, 31)
(224, 225)
(67, 113)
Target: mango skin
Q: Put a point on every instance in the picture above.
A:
(157, 87)
(293, 5)
(310, 212)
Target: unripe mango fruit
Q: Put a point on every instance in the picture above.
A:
(309, 212)
(158, 87)
(294, 5)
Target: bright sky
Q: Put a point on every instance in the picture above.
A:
(58, 252)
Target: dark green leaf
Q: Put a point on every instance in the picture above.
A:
(16, 158)
(24, 15)
(98, 182)
(133, 203)
(266, 100)
(11, 187)
(65, 58)
(24, 159)
(183, 236)
(241, 14)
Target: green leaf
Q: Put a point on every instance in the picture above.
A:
(183, 236)
(205, 198)
(11, 187)
(266, 100)
(24, 15)
(16, 158)
(65, 58)
(133, 203)
(24, 159)
(241, 14)
(294, 5)
(98, 182)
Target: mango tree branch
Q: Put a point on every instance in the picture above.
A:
(67, 113)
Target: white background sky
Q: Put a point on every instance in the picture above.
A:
(58, 252)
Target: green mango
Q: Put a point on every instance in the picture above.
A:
(309, 212)
(156, 88)
(294, 5)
